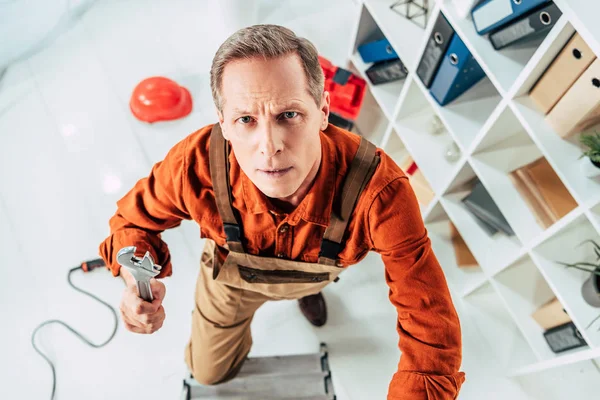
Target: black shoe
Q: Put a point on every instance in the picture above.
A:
(314, 309)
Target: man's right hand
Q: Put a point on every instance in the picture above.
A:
(138, 315)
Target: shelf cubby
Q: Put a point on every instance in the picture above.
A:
(467, 115)
(415, 125)
(566, 246)
(524, 290)
(387, 94)
(493, 252)
(505, 148)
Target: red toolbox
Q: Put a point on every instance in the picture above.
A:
(346, 90)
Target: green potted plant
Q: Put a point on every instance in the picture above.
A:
(590, 159)
(590, 290)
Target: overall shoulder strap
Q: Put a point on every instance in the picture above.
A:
(361, 170)
(219, 173)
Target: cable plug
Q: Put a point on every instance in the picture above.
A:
(91, 265)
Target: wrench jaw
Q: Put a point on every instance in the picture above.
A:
(143, 269)
(147, 262)
(126, 258)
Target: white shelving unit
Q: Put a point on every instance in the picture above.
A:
(497, 129)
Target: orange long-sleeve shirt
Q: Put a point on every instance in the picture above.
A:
(386, 220)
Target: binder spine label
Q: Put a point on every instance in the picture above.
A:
(515, 32)
(429, 62)
(386, 71)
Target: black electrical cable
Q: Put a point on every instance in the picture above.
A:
(79, 335)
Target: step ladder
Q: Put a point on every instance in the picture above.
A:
(300, 377)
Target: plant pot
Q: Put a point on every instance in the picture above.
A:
(591, 290)
(589, 168)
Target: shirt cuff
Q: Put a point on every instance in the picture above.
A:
(406, 385)
(143, 242)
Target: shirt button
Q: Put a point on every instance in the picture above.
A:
(284, 228)
(280, 255)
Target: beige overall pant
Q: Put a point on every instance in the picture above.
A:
(229, 293)
(221, 337)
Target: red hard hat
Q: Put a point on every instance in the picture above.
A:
(160, 99)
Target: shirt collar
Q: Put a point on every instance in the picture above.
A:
(317, 204)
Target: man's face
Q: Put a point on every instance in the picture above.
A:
(272, 122)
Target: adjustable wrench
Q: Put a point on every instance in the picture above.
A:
(143, 269)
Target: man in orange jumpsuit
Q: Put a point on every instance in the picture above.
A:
(286, 202)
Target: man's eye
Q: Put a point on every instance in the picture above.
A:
(289, 114)
(245, 120)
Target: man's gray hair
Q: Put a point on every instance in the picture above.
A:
(267, 41)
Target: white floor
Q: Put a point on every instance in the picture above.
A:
(70, 148)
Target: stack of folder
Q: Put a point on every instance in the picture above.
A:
(447, 68)
(417, 181)
(543, 191)
(510, 22)
(568, 92)
(560, 332)
(387, 66)
(564, 337)
(486, 212)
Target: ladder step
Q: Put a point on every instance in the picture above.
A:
(288, 386)
(281, 365)
(300, 377)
